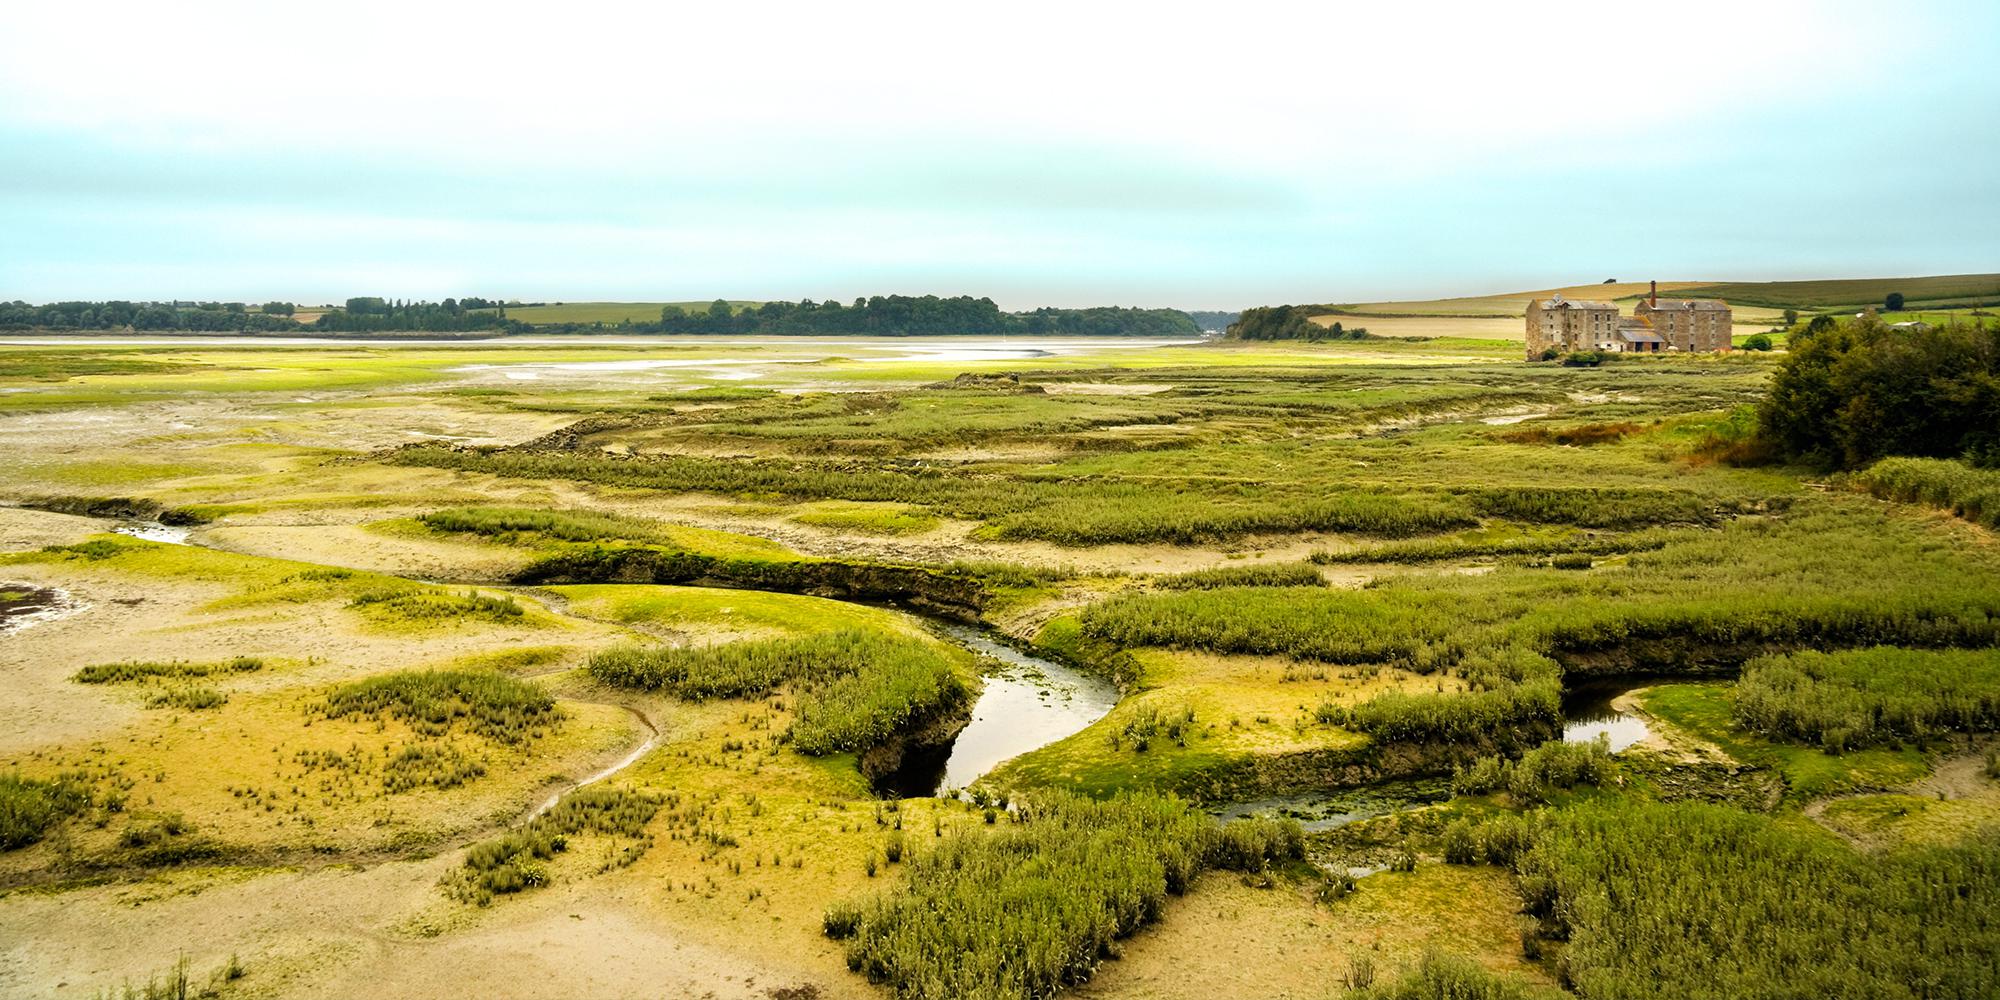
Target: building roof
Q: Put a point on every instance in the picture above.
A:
(1638, 335)
(1685, 305)
(1575, 304)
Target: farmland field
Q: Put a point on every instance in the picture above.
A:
(793, 668)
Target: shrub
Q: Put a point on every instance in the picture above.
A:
(434, 764)
(1265, 575)
(1848, 393)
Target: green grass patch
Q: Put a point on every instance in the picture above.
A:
(1709, 712)
(133, 670)
(435, 702)
(1868, 697)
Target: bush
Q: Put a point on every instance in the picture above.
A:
(437, 605)
(1848, 393)
(1757, 342)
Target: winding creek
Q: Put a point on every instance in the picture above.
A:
(1027, 702)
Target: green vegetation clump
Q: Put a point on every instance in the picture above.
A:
(430, 764)
(1970, 493)
(30, 807)
(1869, 697)
(131, 670)
(1289, 323)
(1849, 393)
(1035, 903)
(857, 687)
(1555, 765)
(191, 697)
(1685, 900)
(515, 860)
(515, 524)
(437, 605)
(434, 702)
(1262, 575)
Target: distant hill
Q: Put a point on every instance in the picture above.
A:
(1504, 304)
(1856, 293)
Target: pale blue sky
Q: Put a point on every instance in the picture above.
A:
(1037, 153)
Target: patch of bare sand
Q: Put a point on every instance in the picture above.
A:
(1225, 939)
(22, 529)
(339, 933)
(135, 617)
(356, 547)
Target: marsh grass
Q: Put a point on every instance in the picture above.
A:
(517, 860)
(1692, 901)
(131, 670)
(427, 605)
(31, 807)
(189, 697)
(1034, 903)
(1968, 492)
(1263, 575)
(857, 687)
(435, 702)
(1870, 697)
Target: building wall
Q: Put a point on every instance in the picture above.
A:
(1689, 329)
(1568, 327)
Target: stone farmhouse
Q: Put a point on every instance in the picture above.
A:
(1566, 325)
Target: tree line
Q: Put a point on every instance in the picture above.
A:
(879, 315)
(919, 315)
(190, 317)
(1289, 323)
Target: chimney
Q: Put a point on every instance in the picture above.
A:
(1653, 297)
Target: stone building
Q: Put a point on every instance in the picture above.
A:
(1569, 325)
(1566, 325)
(1687, 324)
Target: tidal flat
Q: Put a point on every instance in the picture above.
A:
(781, 667)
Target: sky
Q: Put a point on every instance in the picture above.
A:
(1200, 156)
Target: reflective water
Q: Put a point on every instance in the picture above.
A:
(1027, 702)
(1588, 712)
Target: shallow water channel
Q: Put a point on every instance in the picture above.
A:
(25, 604)
(1588, 713)
(1027, 702)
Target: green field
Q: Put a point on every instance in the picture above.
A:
(1855, 293)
